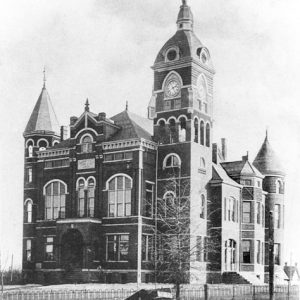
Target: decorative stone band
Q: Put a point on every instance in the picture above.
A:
(51, 153)
(129, 143)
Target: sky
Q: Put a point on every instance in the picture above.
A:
(103, 51)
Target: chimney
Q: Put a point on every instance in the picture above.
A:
(63, 133)
(102, 116)
(245, 157)
(73, 120)
(215, 153)
(224, 148)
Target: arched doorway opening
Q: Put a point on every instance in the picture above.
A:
(72, 249)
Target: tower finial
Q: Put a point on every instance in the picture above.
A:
(126, 105)
(87, 105)
(267, 133)
(44, 79)
(183, 2)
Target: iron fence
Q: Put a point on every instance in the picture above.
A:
(200, 292)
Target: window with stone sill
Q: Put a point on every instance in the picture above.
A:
(49, 253)
(117, 247)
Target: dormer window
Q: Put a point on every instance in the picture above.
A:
(86, 144)
(172, 54)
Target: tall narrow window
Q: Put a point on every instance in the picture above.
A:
(182, 130)
(28, 211)
(263, 215)
(55, 200)
(148, 206)
(202, 207)
(207, 135)
(91, 198)
(277, 216)
(196, 131)
(258, 251)
(49, 254)
(81, 198)
(28, 250)
(246, 251)
(202, 133)
(119, 196)
(29, 175)
(86, 144)
(246, 212)
(30, 150)
(172, 130)
(199, 248)
(147, 248)
(277, 254)
(169, 198)
(258, 213)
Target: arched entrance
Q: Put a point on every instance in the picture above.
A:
(72, 249)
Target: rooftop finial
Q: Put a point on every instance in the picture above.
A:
(126, 105)
(267, 133)
(44, 79)
(183, 2)
(87, 105)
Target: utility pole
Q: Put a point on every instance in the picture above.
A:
(271, 256)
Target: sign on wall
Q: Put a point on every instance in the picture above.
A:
(86, 164)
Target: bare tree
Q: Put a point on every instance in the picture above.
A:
(178, 247)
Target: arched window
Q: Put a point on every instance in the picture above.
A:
(279, 187)
(162, 130)
(202, 133)
(55, 200)
(207, 135)
(202, 163)
(80, 197)
(196, 131)
(91, 197)
(42, 144)
(172, 128)
(119, 196)
(172, 161)
(182, 130)
(202, 207)
(28, 210)
(86, 144)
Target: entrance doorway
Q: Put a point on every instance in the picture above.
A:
(72, 250)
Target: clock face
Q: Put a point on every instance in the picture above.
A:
(173, 88)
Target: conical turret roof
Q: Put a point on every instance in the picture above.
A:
(43, 117)
(266, 160)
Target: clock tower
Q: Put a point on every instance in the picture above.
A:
(182, 106)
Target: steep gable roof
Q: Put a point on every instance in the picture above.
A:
(219, 174)
(43, 117)
(243, 167)
(132, 126)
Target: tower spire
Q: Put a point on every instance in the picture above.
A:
(87, 105)
(185, 17)
(126, 105)
(44, 77)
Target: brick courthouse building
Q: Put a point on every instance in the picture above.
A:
(89, 199)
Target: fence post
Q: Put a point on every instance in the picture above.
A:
(206, 291)
(253, 292)
(233, 291)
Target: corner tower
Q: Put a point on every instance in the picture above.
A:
(41, 132)
(268, 164)
(182, 110)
